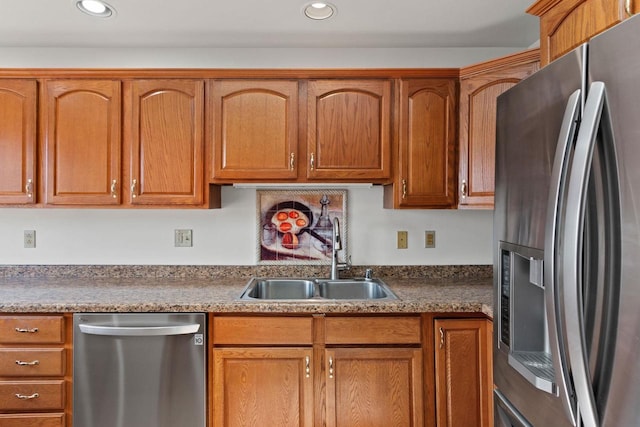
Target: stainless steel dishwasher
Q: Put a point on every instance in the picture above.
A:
(139, 370)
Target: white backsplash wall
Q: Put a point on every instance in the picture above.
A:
(227, 236)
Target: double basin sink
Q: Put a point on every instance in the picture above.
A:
(317, 289)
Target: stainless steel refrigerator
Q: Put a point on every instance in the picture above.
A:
(567, 240)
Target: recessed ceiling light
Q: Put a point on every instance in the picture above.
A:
(96, 8)
(319, 10)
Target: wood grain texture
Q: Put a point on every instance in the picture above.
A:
(263, 386)
(374, 387)
(47, 329)
(255, 130)
(50, 362)
(18, 103)
(82, 142)
(32, 420)
(247, 330)
(373, 330)
(51, 395)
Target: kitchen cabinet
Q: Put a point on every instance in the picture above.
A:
(18, 125)
(565, 24)
(314, 370)
(164, 123)
(426, 151)
(480, 86)
(81, 142)
(35, 371)
(463, 372)
(255, 130)
(349, 130)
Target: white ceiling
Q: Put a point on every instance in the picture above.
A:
(270, 23)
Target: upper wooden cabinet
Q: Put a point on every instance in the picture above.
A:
(165, 142)
(81, 142)
(18, 103)
(565, 24)
(426, 157)
(255, 129)
(349, 130)
(480, 86)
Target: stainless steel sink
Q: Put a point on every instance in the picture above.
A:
(304, 289)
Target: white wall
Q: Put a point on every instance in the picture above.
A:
(227, 236)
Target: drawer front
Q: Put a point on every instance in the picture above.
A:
(31, 395)
(248, 330)
(39, 362)
(372, 330)
(31, 329)
(32, 420)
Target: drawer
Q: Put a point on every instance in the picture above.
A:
(38, 362)
(31, 329)
(32, 420)
(373, 330)
(31, 395)
(249, 330)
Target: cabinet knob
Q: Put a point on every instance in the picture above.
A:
(463, 189)
(134, 184)
(28, 188)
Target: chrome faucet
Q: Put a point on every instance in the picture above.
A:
(336, 246)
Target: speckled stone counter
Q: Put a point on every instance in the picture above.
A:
(33, 289)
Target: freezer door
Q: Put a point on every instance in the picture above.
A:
(615, 61)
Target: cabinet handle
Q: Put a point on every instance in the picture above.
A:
(312, 162)
(113, 189)
(463, 188)
(331, 367)
(292, 161)
(25, 397)
(134, 184)
(441, 338)
(627, 7)
(404, 188)
(307, 367)
(27, 330)
(33, 363)
(28, 188)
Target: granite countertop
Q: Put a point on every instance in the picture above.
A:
(86, 292)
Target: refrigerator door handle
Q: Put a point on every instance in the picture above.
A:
(555, 222)
(572, 260)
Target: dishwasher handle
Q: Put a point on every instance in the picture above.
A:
(139, 331)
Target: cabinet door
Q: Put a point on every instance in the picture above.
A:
(463, 373)
(478, 101)
(374, 387)
(349, 130)
(427, 144)
(166, 146)
(263, 387)
(255, 130)
(18, 100)
(566, 24)
(82, 142)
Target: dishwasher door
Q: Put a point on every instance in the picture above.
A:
(139, 370)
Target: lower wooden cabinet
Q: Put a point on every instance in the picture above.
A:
(463, 372)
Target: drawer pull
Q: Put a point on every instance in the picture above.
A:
(33, 363)
(331, 367)
(307, 367)
(25, 397)
(27, 330)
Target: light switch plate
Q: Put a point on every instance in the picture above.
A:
(430, 239)
(30, 239)
(183, 239)
(403, 239)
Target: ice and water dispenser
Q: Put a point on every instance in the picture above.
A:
(523, 320)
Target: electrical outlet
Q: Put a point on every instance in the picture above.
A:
(183, 239)
(30, 239)
(430, 239)
(402, 239)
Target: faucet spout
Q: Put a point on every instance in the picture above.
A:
(336, 243)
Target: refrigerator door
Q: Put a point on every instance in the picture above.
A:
(615, 61)
(529, 123)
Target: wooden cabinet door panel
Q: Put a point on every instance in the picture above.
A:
(255, 129)
(82, 142)
(349, 129)
(463, 373)
(263, 387)
(167, 142)
(374, 387)
(18, 100)
(427, 150)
